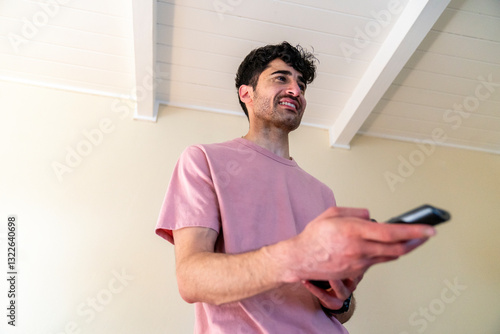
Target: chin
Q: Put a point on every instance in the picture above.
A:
(290, 126)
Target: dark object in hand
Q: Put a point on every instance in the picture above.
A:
(425, 214)
(321, 284)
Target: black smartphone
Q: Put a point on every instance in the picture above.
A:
(424, 214)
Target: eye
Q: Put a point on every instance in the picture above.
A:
(281, 78)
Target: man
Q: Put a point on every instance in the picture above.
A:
(251, 228)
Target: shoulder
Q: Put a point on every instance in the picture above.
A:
(205, 149)
(213, 151)
(193, 154)
(206, 156)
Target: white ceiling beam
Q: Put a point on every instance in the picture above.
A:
(144, 24)
(412, 26)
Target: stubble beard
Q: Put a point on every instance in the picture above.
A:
(282, 119)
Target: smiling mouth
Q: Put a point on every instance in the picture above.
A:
(288, 104)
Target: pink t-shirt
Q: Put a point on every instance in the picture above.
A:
(252, 198)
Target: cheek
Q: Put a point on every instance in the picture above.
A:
(263, 104)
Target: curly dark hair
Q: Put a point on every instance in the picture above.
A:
(258, 60)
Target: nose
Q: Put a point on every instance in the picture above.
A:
(293, 88)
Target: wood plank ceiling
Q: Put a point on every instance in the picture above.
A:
(406, 70)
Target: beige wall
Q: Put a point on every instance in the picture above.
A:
(89, 261)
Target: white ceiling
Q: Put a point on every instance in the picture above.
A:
(408, 70)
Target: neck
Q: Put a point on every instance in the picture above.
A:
(274, 141)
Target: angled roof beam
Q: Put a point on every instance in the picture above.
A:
(412, 26)
(144, 23)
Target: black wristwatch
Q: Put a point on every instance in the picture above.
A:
(343, 309)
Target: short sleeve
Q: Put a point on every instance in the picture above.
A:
(330, 197)
(190, 200)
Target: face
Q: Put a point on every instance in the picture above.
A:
(278, 99)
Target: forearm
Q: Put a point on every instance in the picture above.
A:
(217, 278)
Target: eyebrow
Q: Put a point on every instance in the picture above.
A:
(285, 72)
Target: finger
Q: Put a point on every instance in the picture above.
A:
(328, 298)
(380, 259)
(414, 243)
(391, 250)
(340, 289)
(396, 232)
(352, 284)
(336, 211)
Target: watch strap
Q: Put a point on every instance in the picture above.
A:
(343, 309)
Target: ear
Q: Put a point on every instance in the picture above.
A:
(246, 93)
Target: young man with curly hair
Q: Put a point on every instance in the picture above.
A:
(253, 231)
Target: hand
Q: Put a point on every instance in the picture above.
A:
(343, 243)
(334, 297)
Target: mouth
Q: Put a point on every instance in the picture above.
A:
(290, 104)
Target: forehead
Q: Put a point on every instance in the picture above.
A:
(279, 66)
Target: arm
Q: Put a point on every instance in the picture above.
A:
(215, 278)
(339, 243)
